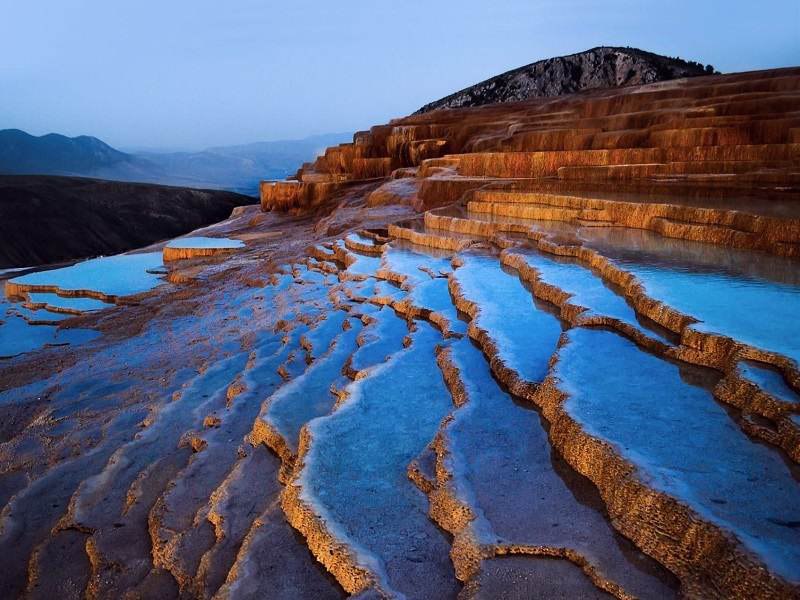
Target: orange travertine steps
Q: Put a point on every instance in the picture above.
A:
(740, 130)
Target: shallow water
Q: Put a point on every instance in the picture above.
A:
(683, 443)
(407, 260)
(434, 295)
(769, 380)
(380, 339)
(355, 472)
(360, 239)
(364, 265)
(426, 291)
(72, 304)
(525, 332)
(386, 289)
(309, 395)
(205, 242)
(137, 378)
(323, 250)
(312, 276)
(120, 275)
(322, 335)
(39, 315)
(524, 493)
(750, 296)
(586, 289)
(17, 336)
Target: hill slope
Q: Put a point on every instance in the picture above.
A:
(601, 67)
(45, 219)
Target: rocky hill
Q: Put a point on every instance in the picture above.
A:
(46, 219)
(602, 67)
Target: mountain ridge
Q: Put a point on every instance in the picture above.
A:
(233, 168)
(21, 152)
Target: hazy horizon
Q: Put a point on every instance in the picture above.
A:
(187, 76)
(188, 150)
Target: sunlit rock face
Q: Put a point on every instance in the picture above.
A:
(735, 130)
(562, 363)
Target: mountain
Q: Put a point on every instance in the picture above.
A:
(601, 67)
(234, 168)
(21, 152)
(45, 219)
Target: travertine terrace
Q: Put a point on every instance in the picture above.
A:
(539, 349)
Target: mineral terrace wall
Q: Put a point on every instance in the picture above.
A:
(729, 132)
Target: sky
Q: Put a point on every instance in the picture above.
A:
(188, 74)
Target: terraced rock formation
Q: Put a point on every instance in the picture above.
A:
(495, 381)
(732, 133)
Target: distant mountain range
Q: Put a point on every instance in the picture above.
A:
(233, 168)
(601, 67)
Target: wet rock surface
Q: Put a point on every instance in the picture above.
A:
(516, 578)
(529, 392)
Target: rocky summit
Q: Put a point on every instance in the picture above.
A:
(602, 67)
(547, 348)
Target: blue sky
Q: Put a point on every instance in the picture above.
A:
(195, 73)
